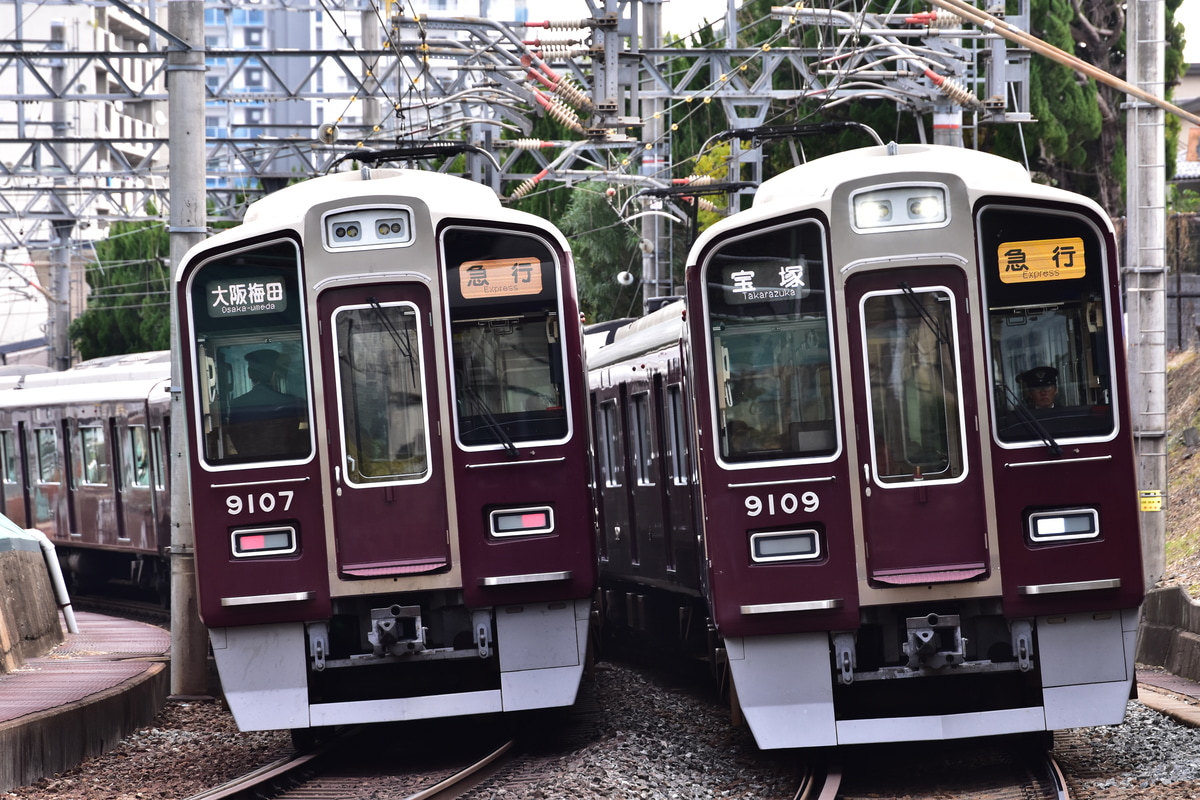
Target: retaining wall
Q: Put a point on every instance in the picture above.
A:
(29, 621)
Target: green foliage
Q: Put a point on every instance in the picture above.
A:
(603, 247)
(1182, 201)
(129, 305)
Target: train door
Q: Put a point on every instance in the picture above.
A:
(912, 367)
(616, 510)
(645, 484)
(389, 504)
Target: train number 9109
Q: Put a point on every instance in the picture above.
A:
(265, 502)
(787, 504)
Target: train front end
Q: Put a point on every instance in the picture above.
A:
(904, 539)
(389, 470)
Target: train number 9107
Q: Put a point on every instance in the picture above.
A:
(265, 502)
(786, 504)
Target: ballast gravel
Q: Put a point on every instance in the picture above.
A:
(648, 736)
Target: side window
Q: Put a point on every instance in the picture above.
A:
(139, 455)
(676, 436)
(95, 455)
(8, 452)
(643, 452)
(47, 455)
(608, 429)
(159, 458)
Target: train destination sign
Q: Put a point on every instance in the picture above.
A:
(759, 282)
(1041, 260)
(242, 297)
(500, 277)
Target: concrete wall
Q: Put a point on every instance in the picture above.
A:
(1169, 636)
(29, 621)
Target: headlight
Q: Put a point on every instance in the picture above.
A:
(1064, 525)
(899, 207)
(766, 548)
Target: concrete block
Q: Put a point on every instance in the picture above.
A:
(29, 622)
(1184, 659)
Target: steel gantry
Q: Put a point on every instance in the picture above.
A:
(396, 76)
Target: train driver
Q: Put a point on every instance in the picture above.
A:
(265, 421)
(1041, 387)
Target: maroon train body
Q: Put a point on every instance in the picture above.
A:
(826, 464)
(82, 454)
(389, 454)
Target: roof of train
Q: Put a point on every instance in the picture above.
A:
(107, 379)
(445, 194)
(607, 345)
(814, 181)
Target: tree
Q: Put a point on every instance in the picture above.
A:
(603, 247)
(129, 305)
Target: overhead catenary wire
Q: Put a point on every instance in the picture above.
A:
(1026, 40)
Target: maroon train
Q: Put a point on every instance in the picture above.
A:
(388, 426)
(83, 461)
(828, 464)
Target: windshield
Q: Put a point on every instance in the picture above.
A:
(768, 321)
(252, 377)
(1050, 327)
(504, 307)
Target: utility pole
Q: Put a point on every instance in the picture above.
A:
(656, 165)
(60, 252)
(185, 76)
(1145, 274)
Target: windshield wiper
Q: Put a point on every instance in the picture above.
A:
(402, 343)
(923, 312)
(1030, 421)
(485, 412)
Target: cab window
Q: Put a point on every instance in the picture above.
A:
(768, 320)
(1050, 326)
(253, 380)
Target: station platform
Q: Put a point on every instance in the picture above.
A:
(1173, 695)
(82, 698)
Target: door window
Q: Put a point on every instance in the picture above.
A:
(381, 393)
(916, 425)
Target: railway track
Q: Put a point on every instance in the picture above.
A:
(987, 770)
(351, 764)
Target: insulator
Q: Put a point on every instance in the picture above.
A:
(945, 19)
(699, 180)
(956, 92)
(525, 188)
(526, 144)
(572, 94)
(566, 24)
(563, 53)
(565, 115)
(704, 204)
